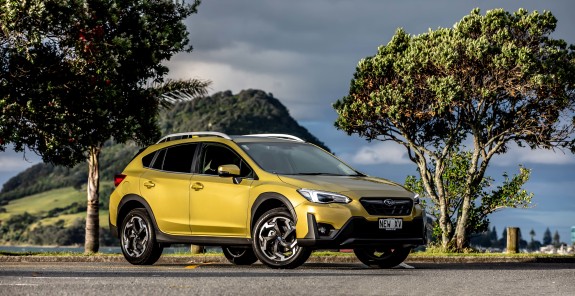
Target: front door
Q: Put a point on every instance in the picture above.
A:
(218, 206)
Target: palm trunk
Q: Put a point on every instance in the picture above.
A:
(92, 243)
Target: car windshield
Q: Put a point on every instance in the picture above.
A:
(296, 159)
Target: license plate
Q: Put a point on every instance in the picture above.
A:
(390, 224)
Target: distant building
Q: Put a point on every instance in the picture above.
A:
(573, 235)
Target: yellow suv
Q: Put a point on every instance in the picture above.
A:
(271, 197)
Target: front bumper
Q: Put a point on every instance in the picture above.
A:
(359, 232)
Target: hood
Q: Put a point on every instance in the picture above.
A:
(358, 186)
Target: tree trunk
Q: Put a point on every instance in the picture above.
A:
(461, 230)
(443, 223)
(92, 242)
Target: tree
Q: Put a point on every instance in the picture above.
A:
(493, 235)
(75, 73)
(533, 245)
(556, 239)
(532, 234)
(547, 237)
(502, 243)
(484, 203)
(489, 81)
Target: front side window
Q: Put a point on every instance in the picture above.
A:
(214, 156)
(296, 159)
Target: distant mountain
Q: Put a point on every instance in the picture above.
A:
(250, 111)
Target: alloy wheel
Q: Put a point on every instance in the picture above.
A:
(277, 239)
(135, 236)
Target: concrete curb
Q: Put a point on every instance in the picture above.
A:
(200, 259)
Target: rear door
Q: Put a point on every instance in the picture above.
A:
(166, 187)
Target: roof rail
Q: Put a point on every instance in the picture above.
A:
(279, 136)
(188, 135)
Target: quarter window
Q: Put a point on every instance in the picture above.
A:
(159, 161)
(147, 160)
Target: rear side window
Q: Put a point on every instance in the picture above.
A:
(173, 159)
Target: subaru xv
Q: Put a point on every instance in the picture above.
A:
(271, 197)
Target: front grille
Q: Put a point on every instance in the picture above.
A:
(388, 206)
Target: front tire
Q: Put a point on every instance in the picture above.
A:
(239, 255)
(274, 240)
(138, 239)
(381, 258)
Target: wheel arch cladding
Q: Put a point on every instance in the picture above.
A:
(267, 201)
(130, 202)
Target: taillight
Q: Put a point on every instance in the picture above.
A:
(118, 179)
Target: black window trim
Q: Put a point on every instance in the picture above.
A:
(194, 160)
(196, 165)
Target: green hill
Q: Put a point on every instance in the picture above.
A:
(45, 192)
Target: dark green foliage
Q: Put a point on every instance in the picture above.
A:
(13, 229)
(547, 237)
(493, 234)
(250, 111)
(19, 229)
(58, 234)
(71, 209)
(492, 79)
(486, 199)
(74, 73)
(556, 239)
(487, 239)
(43, 177)
(107, 239)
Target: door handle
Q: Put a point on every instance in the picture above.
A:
(198, 186)
(149, 184)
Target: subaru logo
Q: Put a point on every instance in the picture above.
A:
(389, 202)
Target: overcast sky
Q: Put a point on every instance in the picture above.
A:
(305, 53)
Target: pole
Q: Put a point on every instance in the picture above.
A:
(512, 240)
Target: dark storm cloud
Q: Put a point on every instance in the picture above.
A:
(307, 51)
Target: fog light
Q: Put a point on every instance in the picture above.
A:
(324, 229)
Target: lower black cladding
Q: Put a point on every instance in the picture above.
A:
(358, 232)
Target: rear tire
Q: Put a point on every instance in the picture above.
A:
(138, 238)
(239, 255)
(381, 258)
(274, 240)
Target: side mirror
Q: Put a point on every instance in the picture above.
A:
(228, 170)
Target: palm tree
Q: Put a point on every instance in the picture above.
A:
(164, 95)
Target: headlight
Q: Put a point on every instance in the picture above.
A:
(323, 197)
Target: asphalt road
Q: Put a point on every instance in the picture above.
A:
(71, 278)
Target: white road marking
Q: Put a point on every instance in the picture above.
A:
(403, 265)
